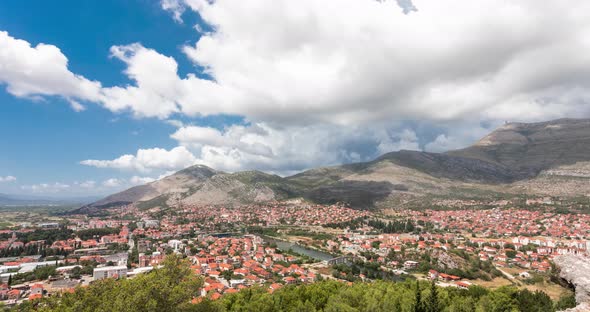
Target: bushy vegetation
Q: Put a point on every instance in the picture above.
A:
(371, 270)
(262, 230)
(49, 236)
(312, 235)
(173, 287)
(170, 288)
(381, 296)
(40, 273)
(403, 226)
(90, 233)
(352, 224)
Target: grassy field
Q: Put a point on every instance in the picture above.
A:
(553, 290)
(493, 284)
(5, 224)
(15, 215)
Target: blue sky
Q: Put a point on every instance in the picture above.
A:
(97, 96)
(43, 141)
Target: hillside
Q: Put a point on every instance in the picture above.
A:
(528, 149)
(202, 185)
(181, 182)
(550, 158)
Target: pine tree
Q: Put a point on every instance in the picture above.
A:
(433, 304)
(9, 280)
(418, 306)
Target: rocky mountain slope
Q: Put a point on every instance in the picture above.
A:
(528, 149)
(576, 270)
(179, 183)
(545, 158)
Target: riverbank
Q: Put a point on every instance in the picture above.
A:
(307, 251)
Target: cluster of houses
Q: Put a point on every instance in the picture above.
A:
(68, 245)
(528, 253)
(507, 237)
(507, 222)
(462, 203)
(12, 294)
(278, 213)
(233, 263)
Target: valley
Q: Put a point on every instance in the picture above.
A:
(494, 216)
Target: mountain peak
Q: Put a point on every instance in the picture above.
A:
(199, 171)
(519, 133)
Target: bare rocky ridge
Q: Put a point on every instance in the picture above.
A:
(528, 149)
(180, 182)
(560, 182)
(576, 270)
(549, 158)
(451, 167)
(201, 185)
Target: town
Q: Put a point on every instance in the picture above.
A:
(291, 242)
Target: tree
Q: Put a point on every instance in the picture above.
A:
(533, 302)
(45, 272)
(566, 302)
(432, 303)
(497, 301)
(76, 272)
(173, 287)
(510, 254)
(227, 274)
(418, 305)
(10, 280)
(167, 289)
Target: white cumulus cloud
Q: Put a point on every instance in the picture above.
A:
(42, 70)
(7, 178)
(46, 187)
(112, 182)
(146, 160)
(333, 80)
(136, 180)
(347, 61)
(87, 184)
(175, 7)
(286, 150)
(341, 61)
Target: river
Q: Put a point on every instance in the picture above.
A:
(285, 245)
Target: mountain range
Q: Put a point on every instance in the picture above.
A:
(547, 158)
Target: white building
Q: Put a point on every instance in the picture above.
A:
(411, 264)
(119, 259)
(151, 223)
(175, 244)
(110, 272)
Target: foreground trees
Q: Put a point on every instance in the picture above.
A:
(173, 287)
(383, 296)
(170, 288)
